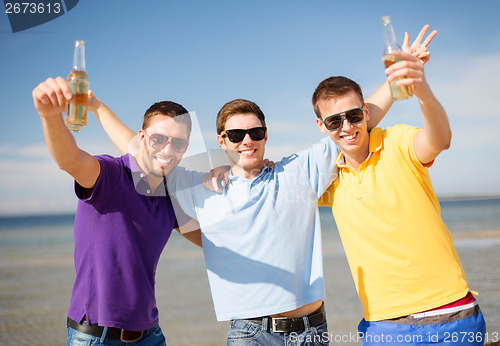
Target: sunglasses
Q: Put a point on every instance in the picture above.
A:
(237, 135)
(158, 142)
(353, 116)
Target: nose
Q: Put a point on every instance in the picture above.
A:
(168, 147)
(345, 123)
(247, 138)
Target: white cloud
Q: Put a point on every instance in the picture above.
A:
(31, 182)
(36, 150)
(34, 186)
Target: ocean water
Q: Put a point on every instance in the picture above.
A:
(36, 276)
(461, 216)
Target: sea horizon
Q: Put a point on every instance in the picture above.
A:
(441, 198)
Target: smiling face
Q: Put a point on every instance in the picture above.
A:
(352, 139)
(160, 162)
(246, 157)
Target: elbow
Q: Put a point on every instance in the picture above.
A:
(68, 169)
(447, 141)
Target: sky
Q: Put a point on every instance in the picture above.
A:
(203, 54)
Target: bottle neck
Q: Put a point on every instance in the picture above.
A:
(79, 57)
(391, 44)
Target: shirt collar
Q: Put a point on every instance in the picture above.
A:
(374, 146)
(232, 177)
(141, 181)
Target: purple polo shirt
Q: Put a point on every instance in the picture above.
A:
(120, 231)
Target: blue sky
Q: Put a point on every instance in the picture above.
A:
(205, 53)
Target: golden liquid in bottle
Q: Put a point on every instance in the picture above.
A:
(398, 92)
(76, 112)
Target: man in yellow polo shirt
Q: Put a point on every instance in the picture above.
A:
(407, 273)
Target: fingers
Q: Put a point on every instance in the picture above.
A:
(270, 164)
(429, 38)
(424, 56)
(215, 185)
(208, 182)
(421, 34)
(411, 67)
(52, 92)
(48, 93)
(39, 96)
(405, 55)
(64, 88)
(406, 43)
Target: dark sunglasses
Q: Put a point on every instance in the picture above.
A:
(237, 135)
(353, 116)
(158, 142)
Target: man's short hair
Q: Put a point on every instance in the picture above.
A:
(168, 109)
(332, 88)
(238, 106)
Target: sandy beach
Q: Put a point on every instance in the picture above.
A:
(35, 288)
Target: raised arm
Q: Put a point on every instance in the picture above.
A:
(50, 98)
(116, 130)
(436, 134)
(381, 101)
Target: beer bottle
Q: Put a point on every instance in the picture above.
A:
(76, 112)
(398, 92)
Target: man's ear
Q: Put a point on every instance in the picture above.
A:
(220, 140)
(140, 135)
(321, 126)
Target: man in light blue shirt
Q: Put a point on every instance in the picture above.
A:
(261, 235)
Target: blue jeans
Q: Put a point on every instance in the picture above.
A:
(443, 331)
(154, 337)
(244, 332)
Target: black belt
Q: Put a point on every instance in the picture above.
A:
(112, 333)
(289, 325)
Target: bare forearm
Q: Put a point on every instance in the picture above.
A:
(60, 143)
(117, 131)
(379, 104)
(193, 236)
(50, 98)
(437, 128)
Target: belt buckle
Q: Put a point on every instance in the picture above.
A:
(122, 336)
(274, 321)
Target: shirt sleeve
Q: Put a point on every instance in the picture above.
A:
(186, 190)
(404, 135)
(326, 200)
(111, 171)
(319, 162)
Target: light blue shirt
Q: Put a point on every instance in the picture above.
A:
(261, 237)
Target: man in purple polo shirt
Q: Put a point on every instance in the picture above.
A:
(123, 220)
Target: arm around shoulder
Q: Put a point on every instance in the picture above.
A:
(117, 131)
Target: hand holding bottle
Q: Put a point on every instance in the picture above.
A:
(408, 71)
(50, 97)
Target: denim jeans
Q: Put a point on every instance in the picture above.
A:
(452, 332)
(154, 337)
(244, 332)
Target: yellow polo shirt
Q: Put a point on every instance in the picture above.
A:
(399, 250)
